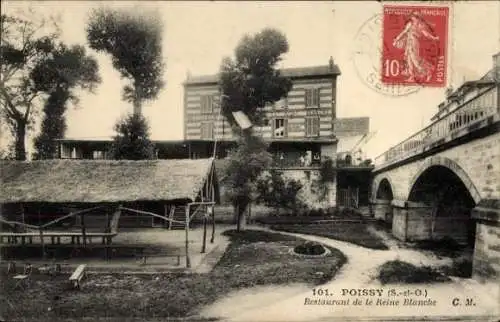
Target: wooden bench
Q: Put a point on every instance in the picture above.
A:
(23, 277)
(77, 275)
(145, 254)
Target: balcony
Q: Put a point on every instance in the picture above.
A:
(289, 163)
(472, 115)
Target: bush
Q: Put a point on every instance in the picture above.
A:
(310, 248)
(401, 272)
(277, 192)
(445, 246)
(461, 268)
(132, 139)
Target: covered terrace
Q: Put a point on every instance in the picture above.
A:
(80, 204)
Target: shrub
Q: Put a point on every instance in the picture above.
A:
(445, 246)
(401, 272)
(310, 248)
(132, 139)
(460, 267)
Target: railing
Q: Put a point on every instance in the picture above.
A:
(477, 109)
(294, 163)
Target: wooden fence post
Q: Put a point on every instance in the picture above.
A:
(186, 226)
(204, 245)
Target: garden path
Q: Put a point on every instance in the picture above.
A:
(287, 303)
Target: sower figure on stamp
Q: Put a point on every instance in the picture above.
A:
(416, 65)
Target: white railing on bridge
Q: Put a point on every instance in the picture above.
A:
(472, 111)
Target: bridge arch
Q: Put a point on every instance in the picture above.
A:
(453, 167)
(383, 187)
(448, 195)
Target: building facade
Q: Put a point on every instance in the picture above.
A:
(299, 127)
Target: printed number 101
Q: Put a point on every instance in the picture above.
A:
(391, 68)
(320, 292)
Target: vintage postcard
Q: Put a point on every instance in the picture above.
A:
(250, 161)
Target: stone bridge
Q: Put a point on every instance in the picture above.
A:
(444, 182)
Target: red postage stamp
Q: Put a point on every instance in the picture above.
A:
(415, 45)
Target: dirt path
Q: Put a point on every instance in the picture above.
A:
(287, 303)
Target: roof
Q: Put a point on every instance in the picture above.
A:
(297, 72)
(346, 144)
(96, 181)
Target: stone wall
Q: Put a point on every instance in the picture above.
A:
(382, 209)
(414, 221)
(486, 262)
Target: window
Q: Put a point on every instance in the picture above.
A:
(65, 151)
(312, 126)
(207, 104)
(207, 130)
(279, 128)
(312, 97)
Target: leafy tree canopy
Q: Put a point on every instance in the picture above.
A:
(251, 80)
(134, 42)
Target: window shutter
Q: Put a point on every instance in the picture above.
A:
(308, 97)
(317, 95)
(210, 100)
(203, 104)
(316, 126)
(285, 124)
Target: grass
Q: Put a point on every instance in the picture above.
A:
(311, 216)
(399, 272)
(252, 258)
(356, 233)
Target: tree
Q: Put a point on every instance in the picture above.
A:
(245, 164)
(132, 139)
(59, 75)
(277, 192)
(249, 82)
(22, 47)
(134, 42)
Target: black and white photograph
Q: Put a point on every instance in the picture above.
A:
(249, 161)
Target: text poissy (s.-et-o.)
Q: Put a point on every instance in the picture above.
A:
(372, 292)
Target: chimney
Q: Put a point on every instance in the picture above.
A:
(331, 63)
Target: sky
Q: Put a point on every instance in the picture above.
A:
(197, 35)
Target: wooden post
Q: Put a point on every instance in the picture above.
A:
(213, 225)
(41, 241)
(188, 261)
(204, 245)
(83, 231)
(165, 214)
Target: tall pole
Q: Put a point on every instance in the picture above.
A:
(204, 245)
(188, 261)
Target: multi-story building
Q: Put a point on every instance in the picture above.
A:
(299, 128)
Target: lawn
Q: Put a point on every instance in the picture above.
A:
(252, 258)
(355, 233)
